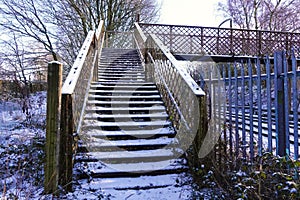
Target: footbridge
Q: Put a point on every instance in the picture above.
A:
(130, 113)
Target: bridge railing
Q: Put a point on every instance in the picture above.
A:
(221, 41)
(73, 100)
(119, 40)
(140, 43)
(183, 98)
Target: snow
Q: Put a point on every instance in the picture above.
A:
(22, 139)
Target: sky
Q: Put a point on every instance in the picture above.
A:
(190, 12)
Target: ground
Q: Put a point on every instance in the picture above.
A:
(22, 137)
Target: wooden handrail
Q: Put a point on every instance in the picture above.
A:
(184, 99)
(74, 95)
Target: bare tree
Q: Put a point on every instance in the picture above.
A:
(26, 18)
(61, 26)
(275, 15)
(19, 61)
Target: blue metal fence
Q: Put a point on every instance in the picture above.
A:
(263, 105)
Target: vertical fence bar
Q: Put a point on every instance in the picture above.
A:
(259, 104)
(259, 41)
(250, 84)
(191, 44)
(218, 102)
(230, 109)
(243, 110)
(218, 40)
(171, 38)
(224, 113)
(202, 38)
(295, 107)
(236, 106)
(279, 104)
(231, 39)
(52, 126)
(286, 104)
(269, 105)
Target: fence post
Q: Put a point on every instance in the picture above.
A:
(52, 126)
(171, 39)
(259, 43)
(97, 51)
(280, 104)
(65, 157)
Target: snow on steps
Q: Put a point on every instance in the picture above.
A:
(128, 145)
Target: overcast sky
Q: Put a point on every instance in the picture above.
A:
(190, 12)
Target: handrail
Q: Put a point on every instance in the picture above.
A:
(221, 41)
(73, 101)
(183, 73)
(140, 42)
(83, 70)
(182, 96)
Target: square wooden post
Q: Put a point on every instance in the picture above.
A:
(52, 126)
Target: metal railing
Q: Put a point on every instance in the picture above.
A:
(221, 41)
(74, 97)
(183, 98)
(262, 110)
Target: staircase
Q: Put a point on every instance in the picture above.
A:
(128, 148)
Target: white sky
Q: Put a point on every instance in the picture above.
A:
(190, 12)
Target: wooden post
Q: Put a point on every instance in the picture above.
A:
(52, 125)
(201, 132)
(65, 158)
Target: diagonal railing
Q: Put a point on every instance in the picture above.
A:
(74, 93)
(221, 41)
(183, 98)
(74, 97)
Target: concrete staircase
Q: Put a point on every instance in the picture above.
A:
(128, 147)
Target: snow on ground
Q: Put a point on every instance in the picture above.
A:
(21, 141)
(22, 137)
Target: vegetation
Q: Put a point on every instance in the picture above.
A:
(273, 15)
(55, 30)
(266, 177)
